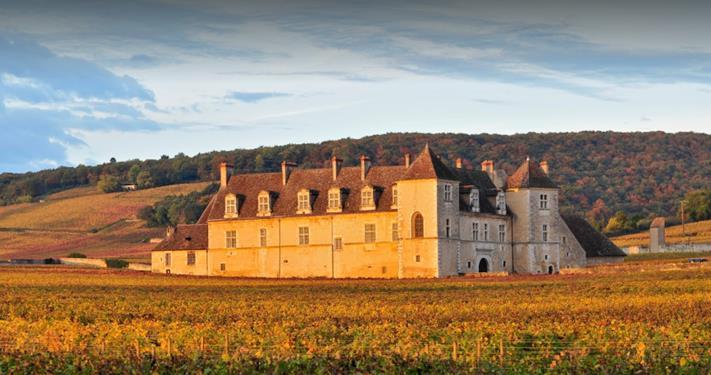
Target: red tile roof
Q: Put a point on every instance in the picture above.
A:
(382, 178)
(185, 237)
(529, 175)
(428, 165)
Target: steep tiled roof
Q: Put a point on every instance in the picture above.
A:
(529, 175)
(186, 237)
(593, 242)
(248, 186)
(428, 165)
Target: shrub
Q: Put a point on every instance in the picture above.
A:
(116, 263)
(76, 255)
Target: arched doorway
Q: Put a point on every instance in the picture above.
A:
(483, 265)
(550, 270)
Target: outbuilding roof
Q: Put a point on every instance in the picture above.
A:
(185, 237)
(593, 242)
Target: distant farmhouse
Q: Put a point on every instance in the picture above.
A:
(419, 219)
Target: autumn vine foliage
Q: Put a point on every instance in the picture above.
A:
(118, 321)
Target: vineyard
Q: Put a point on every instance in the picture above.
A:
(643, 317)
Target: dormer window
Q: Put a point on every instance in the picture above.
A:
(334, 200)
(367, 199)
(230, 206)
(264, 204)
(303, 202)
(474, 200)
(501, 203)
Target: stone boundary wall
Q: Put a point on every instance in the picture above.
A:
(86, 262)
(677, 248)
(139, 267)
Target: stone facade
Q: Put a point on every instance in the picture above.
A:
(423, 219)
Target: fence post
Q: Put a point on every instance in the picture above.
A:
(501, 352)
(137, 347)
(202, 344)
(478, 352)
(454, 351)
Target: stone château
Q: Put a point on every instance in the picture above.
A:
(419, 219)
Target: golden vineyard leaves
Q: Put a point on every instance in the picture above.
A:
(637, 321)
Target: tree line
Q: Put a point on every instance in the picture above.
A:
(600, 173)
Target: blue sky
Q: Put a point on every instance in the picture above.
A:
(83, 81)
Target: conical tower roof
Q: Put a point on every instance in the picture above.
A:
(529, 175)
(429, 166)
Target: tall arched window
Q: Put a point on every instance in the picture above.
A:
(418, 225)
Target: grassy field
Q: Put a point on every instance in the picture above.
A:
(652, 318)
(698, 232)
(82, 220)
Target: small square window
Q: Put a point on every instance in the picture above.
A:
(417, 258)
(338, 243)
(223, 267)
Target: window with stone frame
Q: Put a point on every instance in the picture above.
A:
(474, 200)
(502, 233)
(543, 201)
(304, 236)
(486, 232)
(447, 192)
(304, 202)
(395, 232)
(338, 243)
(544, 232)
(263, 237)
(394, 204)
(191, 258)
(418, 225)
(334, 200)
(167, 259)
(367, 199)
(447, 228)
(475, 231)
(230, 205)
(501, 203)
(231, 239)
(369, 233)
(264, 204)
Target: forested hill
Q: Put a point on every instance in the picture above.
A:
(599, 172)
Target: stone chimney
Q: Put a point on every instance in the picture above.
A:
(225, 171)
(407, 160)
(169, 231)
(335, 166)
(488, 167)
(458, 163)
(286, 168)
(364, 166)
(544, 166)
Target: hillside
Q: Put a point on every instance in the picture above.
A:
(599, 172)
(83, 220)
(698, 232)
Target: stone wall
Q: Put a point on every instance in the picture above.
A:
(678, 248)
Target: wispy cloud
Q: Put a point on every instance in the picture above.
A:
(254, 97)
